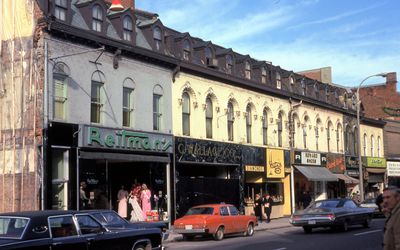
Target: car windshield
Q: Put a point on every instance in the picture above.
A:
(12, 227)
(109, 218)
(325, 204)
(200, 210)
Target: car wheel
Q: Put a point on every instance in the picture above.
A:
(307, 230)
(140, 247)
(250, 230)
(219, 234)
(345, 226)
(367, 222)
(188, 237)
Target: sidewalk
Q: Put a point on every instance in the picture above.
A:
(274, 224)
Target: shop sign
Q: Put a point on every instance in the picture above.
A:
(251, 168)
(393, 168)
(375, 162)
(351, 162)
(275, 163)
(125, 140)
(353, 173)
(335, 163)
(309, 158)
(207, 151)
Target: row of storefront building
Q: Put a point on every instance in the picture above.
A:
(116, 98)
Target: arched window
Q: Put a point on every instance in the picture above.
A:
(280, 129)
(209, 118)
(355, 141)
(247, 70)
(229, 64)
(338, 138)
(278, 80)
(347, 139)
(157, 36)
(263, 75)
(305, 132)
(158, 93)
(365, 144)
(231, 120)
(185, 114)
(97, 97)
(60, 77)
(317, 128)
(60, 9)
(328, 136)
(248, 123)
(127, 103)
(372, 146)
(97, 18)
(265, 127)
(186, 50)
(379, 146)
(128, 28)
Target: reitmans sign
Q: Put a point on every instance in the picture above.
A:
(120, 139)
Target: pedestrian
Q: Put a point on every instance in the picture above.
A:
(257, 207)
(306, 199)
(391, 204)
(84, 201)
(123, 202)
(267, 204)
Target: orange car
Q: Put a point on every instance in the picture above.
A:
(216, 220)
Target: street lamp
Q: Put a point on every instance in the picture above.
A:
(360, 169)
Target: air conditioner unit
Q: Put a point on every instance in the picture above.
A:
(212, 63)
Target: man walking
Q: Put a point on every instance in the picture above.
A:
(267, 202)
(391, 204)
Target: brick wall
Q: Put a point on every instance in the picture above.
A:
(376, 98)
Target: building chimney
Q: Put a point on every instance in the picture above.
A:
(391, 81)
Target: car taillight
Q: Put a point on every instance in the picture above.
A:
(331, 216)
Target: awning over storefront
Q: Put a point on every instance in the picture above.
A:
(347, 179)
(316, 173)
(376, 170)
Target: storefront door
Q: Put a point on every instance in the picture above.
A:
(60, 178)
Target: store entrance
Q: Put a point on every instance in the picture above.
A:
(104, 178)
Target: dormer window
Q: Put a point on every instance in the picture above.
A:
(278, 80)
(157, 37)
(60, 9)
(247, 70)
(208, 55)
(336, 96)
(127, 25)
(97, 16)
(327, 93)
(316, 90)
(229, 64)
(263, 75)
(291, 80)
(303, 87)
(186, 50)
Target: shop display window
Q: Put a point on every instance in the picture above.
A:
(275, 189)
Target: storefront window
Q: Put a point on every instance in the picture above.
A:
(275, 190)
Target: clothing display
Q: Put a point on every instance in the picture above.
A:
(146, 205)
(123, 203)
(136, 213)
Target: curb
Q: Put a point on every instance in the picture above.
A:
(179, 237)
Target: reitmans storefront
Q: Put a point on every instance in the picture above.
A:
(106, 159)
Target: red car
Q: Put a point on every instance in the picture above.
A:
(216, 220)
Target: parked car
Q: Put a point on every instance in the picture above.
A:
(332, 213)
(59, 230)
(216, 220)
(371, 203)
(111, 220)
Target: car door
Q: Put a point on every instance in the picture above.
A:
(350, 207)
(97, 237)
(225, 219)
(64, 234)
(235, 220)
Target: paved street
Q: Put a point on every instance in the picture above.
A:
(293, 238)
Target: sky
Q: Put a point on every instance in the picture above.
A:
(357, 38)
